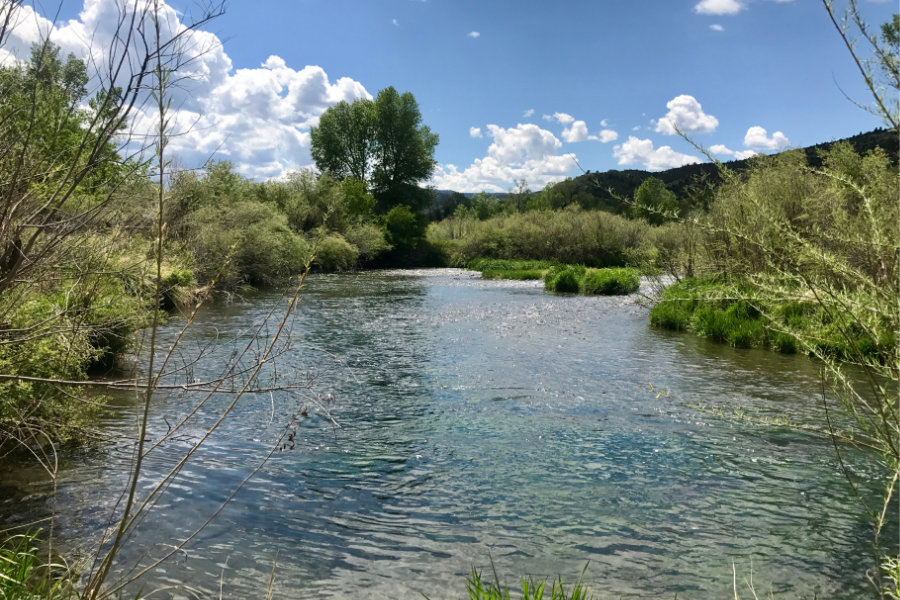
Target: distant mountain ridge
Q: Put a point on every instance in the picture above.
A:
(681, 179)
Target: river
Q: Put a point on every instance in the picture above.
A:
(474, 422)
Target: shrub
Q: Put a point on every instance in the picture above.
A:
(263, 250)
(610, 281)
(269, 253)
(64, 351)
(109, 316)
(368, 239)
(572, 236)
(403, 228)
(178, 288)
(334, 253)
(564, 279)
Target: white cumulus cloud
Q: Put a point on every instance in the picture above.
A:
(522, 152)
(475, 132)
(636, 150)
(521, 143)
(716, 27)
(718, 7)
(577, 132)
(474, 34)
(686, 115)
(257, 118)
(757, 137)
(528, 113)
(608, 135)
(722, 150)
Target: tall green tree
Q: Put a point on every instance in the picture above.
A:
(654, 202)
(344, 142)
(404, 148)
(381, 143)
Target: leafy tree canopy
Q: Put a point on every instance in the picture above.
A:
(653, 202)
(381, 143)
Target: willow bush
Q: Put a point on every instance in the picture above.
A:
(245, 242)
(572, 235)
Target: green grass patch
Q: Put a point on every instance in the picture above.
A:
(715, 311)
(564, 279)
(527, 274)
(672, 315)
(609, 282)
(727, 314)
(492, 268)
(496, 264)
(23, 576)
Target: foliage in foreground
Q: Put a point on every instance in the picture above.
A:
(24, 577)
(532, 589)
(802, 258)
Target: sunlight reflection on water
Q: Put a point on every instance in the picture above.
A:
(487, 421)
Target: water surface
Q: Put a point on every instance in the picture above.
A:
(476, 421)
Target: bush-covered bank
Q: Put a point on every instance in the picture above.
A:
(79, 227)
(223, 234)
(571, 236)
(794, 258)
(77, 324)
(805, 258)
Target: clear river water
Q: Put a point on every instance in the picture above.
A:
(475, 422)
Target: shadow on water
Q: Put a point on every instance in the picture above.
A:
(479, 421)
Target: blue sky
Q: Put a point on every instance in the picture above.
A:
(515, 89)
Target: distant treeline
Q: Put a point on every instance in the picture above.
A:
(605, 191)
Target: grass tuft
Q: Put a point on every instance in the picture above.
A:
(479, 589)
(24, 577)
(609, 282)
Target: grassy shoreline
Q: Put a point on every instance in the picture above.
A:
(733, 314)
(561, 278)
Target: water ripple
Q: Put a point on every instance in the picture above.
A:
(478, 422)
